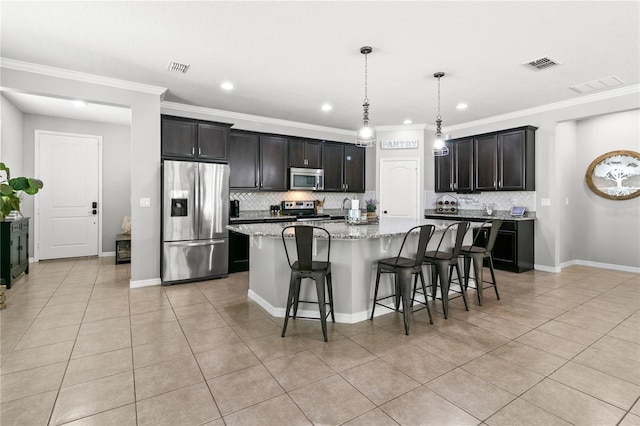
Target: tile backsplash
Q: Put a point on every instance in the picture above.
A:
(500, 200)
(262, 200)
(333, 200)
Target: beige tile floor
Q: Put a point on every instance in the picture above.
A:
(79, 347)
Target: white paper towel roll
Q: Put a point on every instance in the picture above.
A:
(355, 204)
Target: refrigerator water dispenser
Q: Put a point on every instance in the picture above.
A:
(179, 207)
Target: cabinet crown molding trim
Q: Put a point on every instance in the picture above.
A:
(609, 94)
(81, 76)
(167, 106)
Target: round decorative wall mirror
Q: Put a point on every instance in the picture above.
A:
(615, 175)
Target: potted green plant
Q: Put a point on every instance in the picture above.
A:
(371, 205)
(12, 189)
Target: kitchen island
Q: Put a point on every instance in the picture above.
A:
(355, 250)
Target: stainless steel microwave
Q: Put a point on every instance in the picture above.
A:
(306, 179)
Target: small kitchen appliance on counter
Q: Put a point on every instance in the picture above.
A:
(302, 210)
(234, 208)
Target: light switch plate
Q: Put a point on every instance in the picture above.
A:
(545, 201)
(145, 202)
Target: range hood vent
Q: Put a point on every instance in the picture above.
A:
(541, 63)
(177, 67)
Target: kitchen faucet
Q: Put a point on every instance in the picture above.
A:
(344, 201)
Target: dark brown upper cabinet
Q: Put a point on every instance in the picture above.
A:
(354, 164)
(344, 167)
(505, 160)
(274, 160)
(305, 153)
(486, 162)
(332, 163)
(497, 161)
(244, 154)
(184, 138)
(454, 172)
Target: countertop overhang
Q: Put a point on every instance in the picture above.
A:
(340, 230)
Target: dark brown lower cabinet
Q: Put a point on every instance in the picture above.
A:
(238, 252)
(514, 247)
(14, 249)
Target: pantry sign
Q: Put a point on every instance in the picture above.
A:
(399, 144)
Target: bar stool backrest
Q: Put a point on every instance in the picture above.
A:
(493, 234)
(461, 230)
(304, 245)
(426, 231)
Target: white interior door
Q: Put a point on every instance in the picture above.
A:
(70, 166)
(399, 196)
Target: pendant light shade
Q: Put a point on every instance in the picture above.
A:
(366, 136)
(439, 147)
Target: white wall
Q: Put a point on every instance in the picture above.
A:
(144, 155)
(606, 231)
(567, 200)
(550, 147)
(116, 146)
(11, 138)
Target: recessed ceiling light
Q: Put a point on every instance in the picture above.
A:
(326, 107)
(79, 103)
(462, 106)
(227, 85)
(407, 121)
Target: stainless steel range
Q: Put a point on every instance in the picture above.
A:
(302, 210)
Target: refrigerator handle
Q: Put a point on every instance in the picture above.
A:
(195, 243)
(197, 201)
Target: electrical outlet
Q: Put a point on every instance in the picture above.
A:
(545, 202)
(145, 202)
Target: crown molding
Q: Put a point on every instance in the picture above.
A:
(609, 94)
(80, 76)
(173, 106)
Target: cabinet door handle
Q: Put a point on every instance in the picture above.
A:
(193, 151)
(199, 151)
(494, 183)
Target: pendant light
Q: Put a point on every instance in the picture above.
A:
(366, 136)
(439, 147)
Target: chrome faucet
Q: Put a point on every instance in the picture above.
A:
(344, 201)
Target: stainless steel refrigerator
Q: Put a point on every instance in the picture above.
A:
(195, 212)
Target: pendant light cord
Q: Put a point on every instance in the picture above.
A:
(366, 69)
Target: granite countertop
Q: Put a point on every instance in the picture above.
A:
(341, 230)
(261, 215)
(480, 214)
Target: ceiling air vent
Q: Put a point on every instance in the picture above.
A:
(603, 83)
(542, 63)
(177, 67)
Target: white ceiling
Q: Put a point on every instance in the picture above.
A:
(288, 58)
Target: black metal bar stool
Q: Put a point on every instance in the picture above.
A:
(479, 250)
(306, 267)
(403, 268)
(443, 262)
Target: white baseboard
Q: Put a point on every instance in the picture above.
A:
(545, 268)
(622, 268)
(600, 265)
(108, 254)
(279, 312)
(144, 283)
